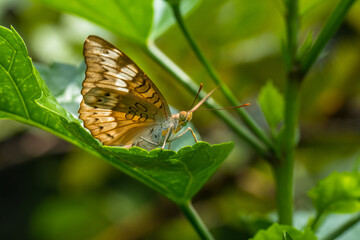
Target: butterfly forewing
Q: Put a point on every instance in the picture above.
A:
(120, 101)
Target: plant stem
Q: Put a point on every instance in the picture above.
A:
(346, 226)
(195, 220)
(319, 217)
(297, 71)
(248, 120)
(187, 82)
(284, 171)
(328, 31)
(292, 27)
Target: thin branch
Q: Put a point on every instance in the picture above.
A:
(331, 26)
(343, 228)
(195, 220)
(318, 220)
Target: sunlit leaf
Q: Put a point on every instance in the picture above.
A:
(278, 232)
(139, 20)
(337, 193)
(26, 98)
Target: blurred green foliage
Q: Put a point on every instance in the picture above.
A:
(277, 231)
(337, 193)
(51, 190)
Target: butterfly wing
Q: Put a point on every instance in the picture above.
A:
(120, 102)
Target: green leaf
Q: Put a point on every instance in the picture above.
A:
(139, 20)
(64, 82)
(337, 193)
(286, 236)
(176, 175)
(26, 98)
(272, 105)
(305, 46)
(281, 232)
(21, 87)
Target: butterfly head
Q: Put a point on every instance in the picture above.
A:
(184, 117)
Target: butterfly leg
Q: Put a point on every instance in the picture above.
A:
(181, 134)
(149, 141)
(167, 136)
(192, 132)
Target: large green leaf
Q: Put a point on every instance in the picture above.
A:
(337, 193)
(281, 232)
(139, 20)
(26, 98)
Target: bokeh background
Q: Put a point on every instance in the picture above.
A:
(52, 190)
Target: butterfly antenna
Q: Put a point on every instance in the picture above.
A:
(211, 109)
(203, 100)
(225, 108)
(197, 95)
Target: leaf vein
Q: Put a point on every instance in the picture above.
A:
(12, 61)
(17, 91)
(24, 80)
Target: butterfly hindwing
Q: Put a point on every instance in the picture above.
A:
(112, 127)
(120, 102)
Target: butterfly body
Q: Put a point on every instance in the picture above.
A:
(165, 132)
(121, 106)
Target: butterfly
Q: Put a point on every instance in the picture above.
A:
(121, 106)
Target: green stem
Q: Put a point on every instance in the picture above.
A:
(248, 120)
(195, 220)
(292, 27)
(317, 221)
(328, 31)
(343, 228)
(284, 171)
(188, 83)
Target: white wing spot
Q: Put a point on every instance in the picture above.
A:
(109, 62)
(101, 85)
(96, 44)
(120, 83)
(132, 68)
(114, 82)
(103, 52)
(115, 73)
(128, 71)
(109, 119)
(117, 51)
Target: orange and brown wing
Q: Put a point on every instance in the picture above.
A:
(119, 101)
(108, 67)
